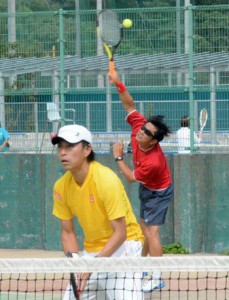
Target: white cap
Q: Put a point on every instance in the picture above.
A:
(72, 134)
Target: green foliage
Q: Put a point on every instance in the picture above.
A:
(210, 2)
(225, 252)
(47, 5)
(175, 248)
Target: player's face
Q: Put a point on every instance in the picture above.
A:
(72, 156)
(145, 135)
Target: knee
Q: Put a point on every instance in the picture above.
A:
(151, 232)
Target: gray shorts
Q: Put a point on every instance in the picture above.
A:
(154, 204)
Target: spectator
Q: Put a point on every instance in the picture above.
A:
(183, 136)
(4, 139)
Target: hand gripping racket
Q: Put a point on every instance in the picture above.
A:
(73, 281)
(110, 30)
(203, 119)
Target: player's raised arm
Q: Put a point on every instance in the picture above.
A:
(127, 100)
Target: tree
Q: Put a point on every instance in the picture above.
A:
(209, 2)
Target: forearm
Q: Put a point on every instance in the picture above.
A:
(118, 151)
(117, 239)
(4, 144)
(114, 242)
(126, 171)
(127, 101)
(69, 242)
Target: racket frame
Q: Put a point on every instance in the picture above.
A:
(110, 49)
(203, 122)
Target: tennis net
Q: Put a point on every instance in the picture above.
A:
(186, 277)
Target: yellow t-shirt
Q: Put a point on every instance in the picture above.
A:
(99, 200)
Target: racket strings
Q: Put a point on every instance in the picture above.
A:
(109, 26)
(203, 117)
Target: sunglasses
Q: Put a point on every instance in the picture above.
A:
(147, 131)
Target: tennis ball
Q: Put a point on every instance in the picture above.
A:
(127, 23)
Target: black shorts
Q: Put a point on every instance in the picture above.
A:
(154, 204)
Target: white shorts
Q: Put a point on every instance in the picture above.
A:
(113, 286)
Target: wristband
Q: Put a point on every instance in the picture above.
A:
(75, 255)
(120, 87)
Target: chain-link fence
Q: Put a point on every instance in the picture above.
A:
(34, 127)
(174, 62)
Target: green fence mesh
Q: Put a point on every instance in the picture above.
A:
(175, 61)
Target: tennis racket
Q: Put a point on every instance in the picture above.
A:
(110, 30)
(203, 118)
(73, 281)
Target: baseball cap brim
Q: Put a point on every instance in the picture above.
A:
(72, 134)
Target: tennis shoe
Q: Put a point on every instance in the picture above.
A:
(151, 284)
(144, 274)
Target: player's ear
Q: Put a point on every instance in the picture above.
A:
(88, 149)
(153, 142)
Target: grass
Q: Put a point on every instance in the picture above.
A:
(175, 248)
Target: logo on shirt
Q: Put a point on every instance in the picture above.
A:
(57, 195)
(92, 199)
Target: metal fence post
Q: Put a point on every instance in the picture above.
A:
(61, 41)
(190, 81)
(2, 101)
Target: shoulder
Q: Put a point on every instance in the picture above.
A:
(64, 180)
(183, 130)
(157, 150)
(5, 132)
(135, 119)
(135, 115)
(103, 175)
(102, 170)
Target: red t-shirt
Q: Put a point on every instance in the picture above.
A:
(150, 166)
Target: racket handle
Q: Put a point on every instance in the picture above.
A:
(111, 69)
(78, 293)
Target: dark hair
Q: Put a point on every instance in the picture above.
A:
(184, 122)
(91, 156)
(162, 129)
(84, 143)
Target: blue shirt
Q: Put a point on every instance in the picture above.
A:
(4, 135)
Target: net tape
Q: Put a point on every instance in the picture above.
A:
(171, 263)
(185, 277)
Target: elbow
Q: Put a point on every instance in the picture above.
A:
(130, 179)
(130, 108)
(124, 235)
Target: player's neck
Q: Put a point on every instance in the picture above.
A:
(147, 146)
(80, 174)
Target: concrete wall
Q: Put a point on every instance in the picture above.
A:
(198, 217)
